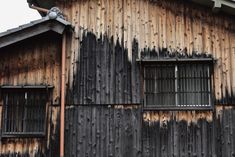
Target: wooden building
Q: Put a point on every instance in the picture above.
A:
(138, 78)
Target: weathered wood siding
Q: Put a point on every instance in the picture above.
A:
(179, 133)
(225, 131)
(104, 75)
(122, 131)
(189, 133)
(111, 34)
(103, 130)
(102, 72)
(170, 25)
(35, 61)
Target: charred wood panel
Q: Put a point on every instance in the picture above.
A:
(105, 75)
(103, 130)
(190, 133)
(177, 139)
(225, 131)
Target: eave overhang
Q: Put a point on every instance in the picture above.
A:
(227, 6)
(32, 29)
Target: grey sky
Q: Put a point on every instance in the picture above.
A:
(14, 13)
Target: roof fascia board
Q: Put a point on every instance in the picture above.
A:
(228, 3)
(221, 4)
(218, 5)
(57, 27)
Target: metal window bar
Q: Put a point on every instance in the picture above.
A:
(179, 85)
(176, 85)
(209, 85)
(5, 101)
(194, 86)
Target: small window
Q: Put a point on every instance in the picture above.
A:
(24, 111)
(177, 84)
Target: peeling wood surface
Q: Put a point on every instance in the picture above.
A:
(188, 116)
(22, 147)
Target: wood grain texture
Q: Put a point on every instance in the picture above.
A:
(103, 131)
(171, 26)
(102, 72)
(35, 61)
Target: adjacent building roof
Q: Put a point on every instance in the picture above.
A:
(33, 28)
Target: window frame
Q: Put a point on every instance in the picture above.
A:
(26, 89)
(176, 62)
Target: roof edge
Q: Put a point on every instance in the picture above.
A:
(32, 29)
(227, 6)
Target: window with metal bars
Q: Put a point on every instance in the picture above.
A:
(24, 112)
(177, 84)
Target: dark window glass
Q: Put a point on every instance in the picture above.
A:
(178, 84)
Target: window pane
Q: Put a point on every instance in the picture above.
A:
(193, 85)
(24, 111)
(36, 103)
(177, 84)
(13, 107)
(160, 85)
